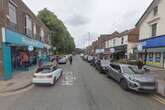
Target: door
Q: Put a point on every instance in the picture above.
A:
(116, 71)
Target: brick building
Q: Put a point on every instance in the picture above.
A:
(23, 37)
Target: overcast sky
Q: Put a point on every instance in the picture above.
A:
(94, 16)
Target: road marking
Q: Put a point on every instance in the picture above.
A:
(159, 99)
(68, 79)
(17, 92)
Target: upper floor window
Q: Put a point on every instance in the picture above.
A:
(42, 34)
(28, 28)
(12, 16)
(155, 10)
(34, 30)
(114, 41)
(122, 40)
(154, 29)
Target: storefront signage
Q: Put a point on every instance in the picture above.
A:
(100, 50)
(16, 38)
(140, 47)
(30, 48)
(154, 42)
(112, 50)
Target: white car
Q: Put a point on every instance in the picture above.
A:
(47, 74)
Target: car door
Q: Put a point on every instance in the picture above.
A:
(115, 71)
(55, 72)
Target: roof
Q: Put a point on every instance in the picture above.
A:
(147, 11)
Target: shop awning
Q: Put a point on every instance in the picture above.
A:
(20, 39)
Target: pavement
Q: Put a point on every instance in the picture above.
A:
(19, 81)
(81, 87)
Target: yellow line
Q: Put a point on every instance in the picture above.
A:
(159, 99)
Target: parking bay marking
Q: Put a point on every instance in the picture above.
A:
(159, 99)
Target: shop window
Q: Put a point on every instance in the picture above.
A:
(154, 29)
(150, 57)
(28, 26)
(12, 17)
(157, 57)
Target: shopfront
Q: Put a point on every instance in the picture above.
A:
(120, 52)
(153, 51)
(16, 53)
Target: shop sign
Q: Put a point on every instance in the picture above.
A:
(112, 50)
(30, 48)
(100, 50)
(17, 38)
(140, 47)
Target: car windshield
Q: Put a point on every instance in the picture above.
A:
(132, 70)
(136, 70)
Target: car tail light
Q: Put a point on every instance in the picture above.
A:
(49, 76)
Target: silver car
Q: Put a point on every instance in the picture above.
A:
(130, 77)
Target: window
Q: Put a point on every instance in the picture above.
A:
(150, 57)
(28, 28)
(157, 57)
(12, 16)
(42, 34)
(34, 30)
(155, 11)
(122, 40)
(114, 42)
(154, 29)
(116, 67)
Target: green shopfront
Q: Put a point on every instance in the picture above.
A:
(16, 46)
(153, 51)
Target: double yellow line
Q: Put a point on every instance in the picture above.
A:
(159, 99)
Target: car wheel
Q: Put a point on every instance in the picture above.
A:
(54, 81)
(124, 84)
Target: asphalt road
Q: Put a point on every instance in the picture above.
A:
(80, 88)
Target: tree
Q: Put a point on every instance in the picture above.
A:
(59, 35)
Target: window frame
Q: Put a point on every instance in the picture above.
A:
(154, 29)
(28, 31)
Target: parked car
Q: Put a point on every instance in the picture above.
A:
(62, 60)
(47, 74)
(101, 65)
(89, 59)
(130, 77)
(85, 57)
(92, 62)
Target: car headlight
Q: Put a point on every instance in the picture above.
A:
(133, 79)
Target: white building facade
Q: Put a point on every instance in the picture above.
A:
(152, 34)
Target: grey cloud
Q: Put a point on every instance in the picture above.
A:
(78, 20)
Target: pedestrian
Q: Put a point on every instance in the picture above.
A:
(140, 64)
(70, 60)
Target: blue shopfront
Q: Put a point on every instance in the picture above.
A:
(154, 51)
(14, 43)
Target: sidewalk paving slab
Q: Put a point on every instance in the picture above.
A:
(19, 81)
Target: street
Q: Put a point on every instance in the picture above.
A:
(80, 88)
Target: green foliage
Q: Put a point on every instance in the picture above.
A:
(59, 35)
